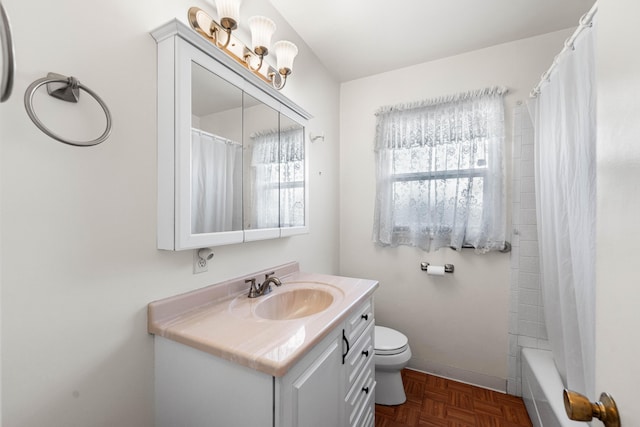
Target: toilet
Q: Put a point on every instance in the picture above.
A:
(392, 354)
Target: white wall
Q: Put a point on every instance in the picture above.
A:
(79, 224)
(457, 325)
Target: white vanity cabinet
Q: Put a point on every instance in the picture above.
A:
(332, 385)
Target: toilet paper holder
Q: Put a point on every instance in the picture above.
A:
(448, 268)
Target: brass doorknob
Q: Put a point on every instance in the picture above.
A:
(579, 408)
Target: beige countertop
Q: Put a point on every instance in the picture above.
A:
(220, 319)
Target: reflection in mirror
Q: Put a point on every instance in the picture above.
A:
(262, 190)
(292, 173)
(216, 153)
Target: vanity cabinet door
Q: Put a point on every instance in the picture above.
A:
(311, 392)
(196, 389)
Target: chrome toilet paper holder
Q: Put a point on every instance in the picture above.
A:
(448, 268)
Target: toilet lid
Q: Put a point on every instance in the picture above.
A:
(389, 341)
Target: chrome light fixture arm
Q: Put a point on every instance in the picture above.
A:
(250, 55)
(215, 32)
(281, 80)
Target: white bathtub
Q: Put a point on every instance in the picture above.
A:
(542, 390)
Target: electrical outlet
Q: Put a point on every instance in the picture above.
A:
(199, 265)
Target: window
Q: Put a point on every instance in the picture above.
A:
(440, 173)
(292, 177)
(277, 161)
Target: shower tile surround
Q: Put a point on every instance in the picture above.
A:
(526, 310)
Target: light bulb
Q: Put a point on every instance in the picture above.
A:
(229, 13)
(286, 52)
(262, 29)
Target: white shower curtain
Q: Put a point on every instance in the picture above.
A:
(216, 183)
(564, 116)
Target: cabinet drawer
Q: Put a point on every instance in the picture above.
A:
(359, 354)
(368, 413)
(358, 396)
(358, 321)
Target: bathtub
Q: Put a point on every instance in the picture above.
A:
(542, 390)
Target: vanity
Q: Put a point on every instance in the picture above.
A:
(302, 355)
(233, 168)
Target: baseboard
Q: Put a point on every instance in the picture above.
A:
(460, 375)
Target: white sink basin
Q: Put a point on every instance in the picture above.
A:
(293, 304)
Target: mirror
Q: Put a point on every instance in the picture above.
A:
(232, 164)
(262, 167)
(292, 173)
(216, 153)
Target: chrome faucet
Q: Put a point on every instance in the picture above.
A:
(263, 289)
(270, 278)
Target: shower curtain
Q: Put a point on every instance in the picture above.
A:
(564, 116)
(216, 183)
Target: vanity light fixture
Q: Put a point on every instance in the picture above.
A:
(285, 52)
(229, 12)
(262, 29)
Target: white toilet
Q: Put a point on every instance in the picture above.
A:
(392, 353)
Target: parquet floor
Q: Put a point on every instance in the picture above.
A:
(437, 402)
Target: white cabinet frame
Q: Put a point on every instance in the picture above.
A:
(179, 46)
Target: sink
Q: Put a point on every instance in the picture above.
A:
(294, 304)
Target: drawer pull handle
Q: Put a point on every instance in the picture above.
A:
(365, 316)
(365, 353)
(346, 341)
(366, 390)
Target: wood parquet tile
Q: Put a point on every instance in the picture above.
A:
(437, 402)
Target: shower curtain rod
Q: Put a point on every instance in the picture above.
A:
(585, 22)
(213, 135)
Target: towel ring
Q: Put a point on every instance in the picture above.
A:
(70, 93)
(8, 61)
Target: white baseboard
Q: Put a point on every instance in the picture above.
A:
(460, 375)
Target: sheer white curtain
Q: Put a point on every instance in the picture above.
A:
(564, 116)
(216, 178)
(292, 176)
(265, 170)
(440, 173)
(277, 163)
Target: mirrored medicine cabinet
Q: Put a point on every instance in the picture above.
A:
(232, 151)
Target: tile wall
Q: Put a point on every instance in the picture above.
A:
(526, 310)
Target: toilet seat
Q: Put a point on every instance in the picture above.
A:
(389, 341)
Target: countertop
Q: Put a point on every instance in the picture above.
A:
(220, 320)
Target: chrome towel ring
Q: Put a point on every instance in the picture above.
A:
(70, 92)
(8, 60)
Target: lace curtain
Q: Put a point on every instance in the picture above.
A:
(216, 183)
(277, 164)
(440, 173)
(292, 175)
